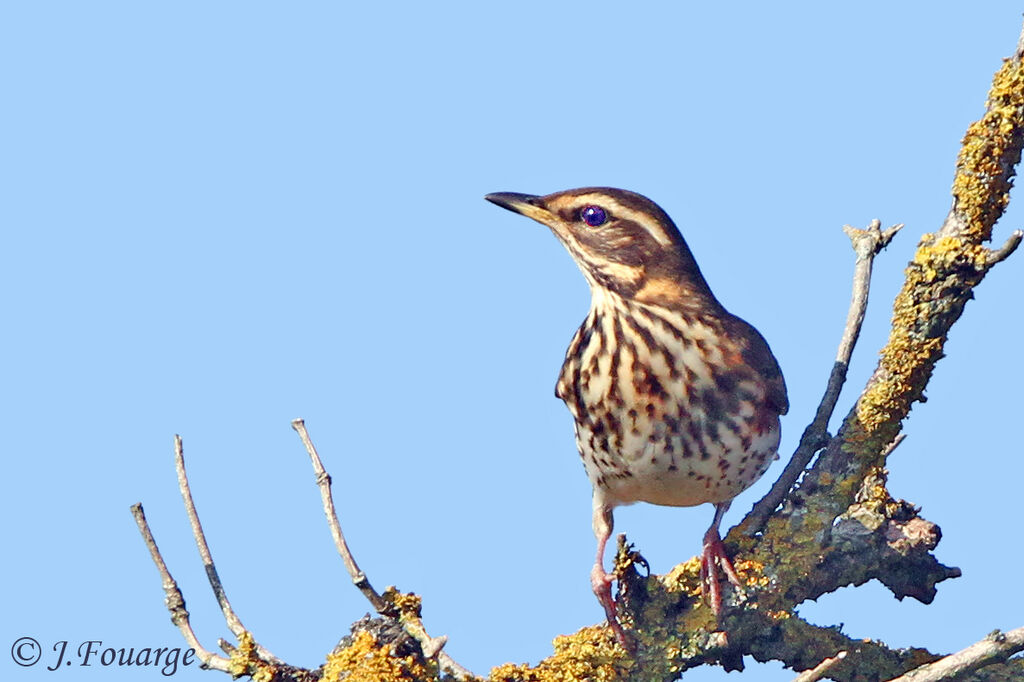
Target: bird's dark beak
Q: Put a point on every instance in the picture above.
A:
(528, 205)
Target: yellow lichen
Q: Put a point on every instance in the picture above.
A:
(752, 573)
(983, 152)
(366, 661)
(684, 577)
(946, 255)
(408, 605)
(590, 654)
(981, 192)
(886, 402)
(245, 661)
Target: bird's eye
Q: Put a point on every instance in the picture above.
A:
(593, 215)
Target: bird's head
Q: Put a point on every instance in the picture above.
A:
(622, 241)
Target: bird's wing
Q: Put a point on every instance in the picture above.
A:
(758, 356)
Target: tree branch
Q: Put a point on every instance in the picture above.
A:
(995, 648)
(174, 600)
(1003, 252)
(323, 481)
(866, 244)
(230, 618)
(840, 514)
(396, 606)
(940, 280)
(818, 671)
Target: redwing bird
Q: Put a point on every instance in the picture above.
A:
(676, 401)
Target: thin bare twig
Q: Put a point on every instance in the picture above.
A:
(1004, 251)
(818, 671)
(174, 600)
(431, 646)
(323, 481)
(232, 620)
(893, 445)
(995, 648)
(866, 244)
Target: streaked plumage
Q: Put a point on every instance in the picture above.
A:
(675, 400)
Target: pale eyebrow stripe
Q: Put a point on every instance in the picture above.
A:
(653, 227)
(640, 218)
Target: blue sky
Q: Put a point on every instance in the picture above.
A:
(217, 218)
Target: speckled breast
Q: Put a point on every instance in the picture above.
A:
(666, 410)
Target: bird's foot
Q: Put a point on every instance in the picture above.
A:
(601, 582)
(713, 562)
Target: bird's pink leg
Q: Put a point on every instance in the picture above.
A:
(714, 557)
(600, 581)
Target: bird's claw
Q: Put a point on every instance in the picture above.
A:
(713, 557)
(601, 582)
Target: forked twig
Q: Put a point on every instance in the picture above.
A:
(431, 646)
(866, 244)
(232, 620)
(995, 648)
(174, 600)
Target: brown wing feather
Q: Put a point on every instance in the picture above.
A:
(758, 356)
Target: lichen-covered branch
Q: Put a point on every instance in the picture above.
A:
(801, 645)
(676, 631)
(842, 497)
(939, 281)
